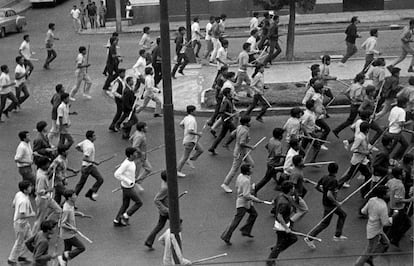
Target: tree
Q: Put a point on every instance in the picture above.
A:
(306, 5)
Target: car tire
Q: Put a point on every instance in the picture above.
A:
(2, 32)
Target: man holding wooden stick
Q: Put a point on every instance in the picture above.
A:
(81, 73)
(139, 142)
(328, 186)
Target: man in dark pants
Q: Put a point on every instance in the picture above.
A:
(265, 25)
(112, 63)
(128, 100)
(226, 109)
(283, 210)
(89, 166)
(180, 48)
(351, 35)
(273, 37)
(118, 87)
(161, 201)
(243, 205)
(156, 62)
(328, 186)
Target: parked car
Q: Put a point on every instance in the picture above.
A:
(10, 21)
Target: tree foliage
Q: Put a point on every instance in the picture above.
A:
(306, 5)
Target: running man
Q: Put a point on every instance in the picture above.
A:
(81, 73)
(406, 39)
(50, 39)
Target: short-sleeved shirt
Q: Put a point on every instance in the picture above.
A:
(195, 28)
(80, 60)
(243, 186)
(253, 43)
(4, 80)
(24, 153)
(222, 55)
(242, 137)
(296, 176)
(68, 217)
(288, 165)
(308, 121)
(208, 28)
(145, 41)
(396, 191)
(21, 70)
(355, 93)
(328, 183)
(397, 115)
(284, 207)
(63, 111)
(254, 23)
(292, 128)
(88, 149)
(359, 148)
(25, 50)
(243, 60)
(21, 204)
(274, 148)
(190, 124)
(377, 212)
(139, 141)
(356, 126)
(50, 38)
(75, 13)
(140, 66)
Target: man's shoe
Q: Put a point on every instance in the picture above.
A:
(410, 69)
(336, 133)
(310, 243)
(226, 188)
(390, 67)
(113, 129)
(259, 119)
(157, 115)
(6, 113)
(119, 223)
(346, 144)
(190, 163)
(61, 261)
(89, 195)
(10, 262)
(247, 235)
(346, 185)
(213, 152)
(181, 72)
(124, 220)
(324, 148)
(23, 260)
(180, 174)
(339, 238)
(148, 245)
(227, 241)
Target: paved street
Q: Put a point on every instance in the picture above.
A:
(206, 210)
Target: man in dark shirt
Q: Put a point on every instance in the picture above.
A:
(41, 145)
(328, 185)
(112, 63)
(226, 109)
(156, 62)
(351, 35)
(180, 48)
(39, 244)
(273, 37)
(265, 25)
(381, 162)
(283, 207)
(128, 100)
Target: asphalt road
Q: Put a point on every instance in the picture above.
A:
(206, 210)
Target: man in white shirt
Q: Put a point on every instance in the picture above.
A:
(26, 52)
(254, 22)
(190, 140)
(369, 45)
(63, 121)
(49, 41)
(293, 150)
(146, 43)
(209, 42)
(396, 121)
(81, 73)
(20, 75)
(6, 93)
(196, 35)
(222, 56)
(253, 44)
(89, 166)
(139, 67)
(23, 211)
(75, 13)
(126, 174)
(24, 157)
(149, 93)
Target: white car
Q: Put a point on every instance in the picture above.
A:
(10, 21)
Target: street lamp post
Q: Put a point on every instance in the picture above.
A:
(118, 17)
(169, 132)
(189, 51)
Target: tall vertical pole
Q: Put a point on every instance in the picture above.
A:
(188, 18)
(118, 15)
(169, 132)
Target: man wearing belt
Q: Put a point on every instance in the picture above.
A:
(63, 122)
(89, 166)
(243, 63)
(24, 157)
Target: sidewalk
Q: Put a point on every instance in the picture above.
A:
(241, 24)
(17, 5)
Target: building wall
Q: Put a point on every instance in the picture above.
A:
(147, 11)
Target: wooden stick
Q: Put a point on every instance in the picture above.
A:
(376, 185)
(308, 151)
(255, 145)
(209, 258)
(312, 138)
(310, 181)
(79, 233)
(330, 102)
(343, 82)
(308, 164)
(307, 236)
(231, 116)
(267, 102)
(81, 214)
(340, 204)
(107, 159)
(377, 101)
(153, 173)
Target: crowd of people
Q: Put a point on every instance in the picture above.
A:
(387, 187)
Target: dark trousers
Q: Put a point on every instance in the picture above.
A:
(157, 73)
(162, 220)
(257, 98)
(219, 100)
(398, 138)
(247, 228)
(400, 224)
(51, 55)
(353, 113)
(262, 42)
(368, 60)
(325, 223)
(112, 71)
(228, 126)
(3, 101)
(59, 190)
(325, 128)
(129, 194)
(351, 49)
(86, 171)
(284, 240)
(73, 242)
(182, 61)
(270, 173)
(274, 45)
(19, 90)
(65, 140)
(118, 112)
(27, 174)
(126, 129)
(364, 169)
(377, 244)
(29, 66)
(378, 132)
(125, 114)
